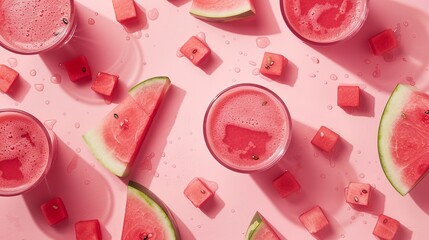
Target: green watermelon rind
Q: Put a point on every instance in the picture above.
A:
(98, 148)
(135, 89)
(158, 207)
(392, 112)
(254, 226)
(224, 16)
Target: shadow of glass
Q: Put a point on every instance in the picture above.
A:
(383, 73)
(84, 191)
(185, 233)
(120, 55)
(322, 180)
(262, 23)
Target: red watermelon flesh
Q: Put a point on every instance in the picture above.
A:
(260, 229)
(116, 142)
(403, 139)
(146, 216)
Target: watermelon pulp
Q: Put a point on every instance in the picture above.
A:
(116, 142)
(260, 229)
(222, 10)
(146, 216)
(403, 138)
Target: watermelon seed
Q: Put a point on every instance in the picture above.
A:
(264, 103)
(115, 115)
(364, 191)
(202, 191)
(194, 51)
(385, 220)
(55, 207)
(356, 199)
(83, 69)
(403, 115)
(65, 21)
(427, 112)
(267, 66)
(255, 157)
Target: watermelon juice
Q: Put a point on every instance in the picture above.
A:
(324, 21)
(35, 26)
(247, 128)
(26, 151)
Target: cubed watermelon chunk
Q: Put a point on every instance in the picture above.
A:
(386, 227)
(54, 211)
(88, 230)
(286, 184)
(358, 193)
(196, 50)
(325, 139)
(314, 220)
(198, 192)
(104, 83)
(78, 68)
(125, 10)
(383, 42)
(272, 64)
(348, 96)
(7, 77)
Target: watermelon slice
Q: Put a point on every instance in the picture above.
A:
(222, 10)
(403, 138)
(116, 142)
(146, 216)
(260, 229)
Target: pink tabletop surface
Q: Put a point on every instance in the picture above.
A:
(174, 151)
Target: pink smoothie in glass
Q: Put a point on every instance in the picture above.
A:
(25, 151)
(324, 21)
(34, 26)
(247, 128)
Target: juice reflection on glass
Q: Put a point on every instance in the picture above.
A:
(36, 26)
(26, 151)
(324, 21)
(247, 128)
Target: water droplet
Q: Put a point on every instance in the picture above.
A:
(153, 14)
(315, 60)
(163, 154)
(316, 154)
(33, 72)
(137, 35)
(201, 36)
(262, 42)
(346, 75)
(49, 124)
(364, 222)
(86, 182)
(47, 102)
(96, 13)
(199, 226)
(237, 69)
(376, 73)
(227, 42)
(359, 152)
(329, 107)
(12, 62)
(342, 236)
(173, 166)
(333, 77)
(77, 125)
(367, 61)
(362, 175)
(232, 210)
(156, 174)
(78, 150)
(179, 53)
(322, 176)
(91, 21)
(410, 81)
(252, 63)
(332, 163)
(312, 75)
(72, 165)
(127, 38)
(39, 87)
(240, 52)
(56, 79)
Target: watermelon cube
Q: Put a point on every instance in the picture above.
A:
(88, 230)
(358, 193)
(386, 227)
(325, 139)
(286, 184)
(198, 192)
(272, 64)
(7, 77)
(348, 96)
(314, 220)
(104, 83)
(196, 50)
(54, 211)
(383, 42)
(125, 10)
(78, 68)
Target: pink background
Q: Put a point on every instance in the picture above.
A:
(174, 151)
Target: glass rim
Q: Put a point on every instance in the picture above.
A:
(61, 40)
(269, 162)
(20, 190)
(353, 31)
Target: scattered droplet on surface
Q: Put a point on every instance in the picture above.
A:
(201, 36)
(315, 60)
(333, 77)
(376, 73)
(179, 53)
(329, 107)
(49, 124)
(312, 75)
(252, 63)
(47, 102)
(91, 21)
(33, 72)
(138, 34)
(256, 71)
(12, 62)
(237, 70)
(362, 175)
(77, 125)
(153, 14)
(78, 150)
(39, 87)
(262, 42)
(227, 42)
(56, 79)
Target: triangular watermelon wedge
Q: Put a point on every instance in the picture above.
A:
(222, 10)
(146, 216)
(403, 138)
(260, 229)
(117, 140)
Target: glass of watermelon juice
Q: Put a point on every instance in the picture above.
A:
(36, 26)
(324, 22)
(26, 151)
(247, 128)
